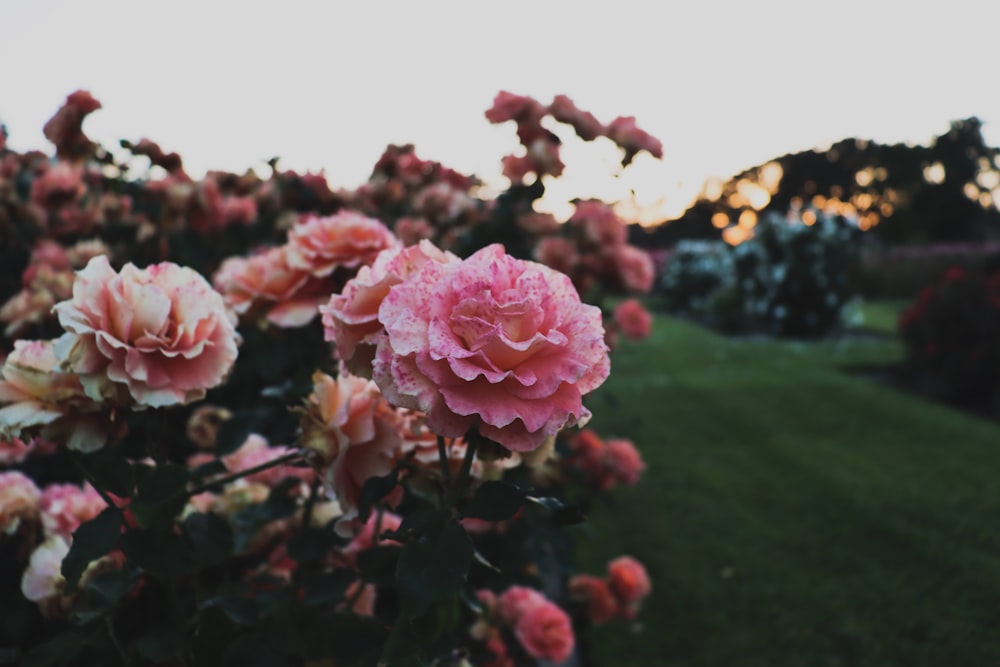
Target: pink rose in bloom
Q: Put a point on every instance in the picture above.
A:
(39, 399)
(162, 332)
(42, 582)
(367, 538)
(630, 583)
(351, 317)
(545, 632)
(544, 156)
(558, 253)
(493, 343)
(586, 125)
(595, 593)
(348, 239)
(633, 319)
(286, 296)
(508, 106)
(624, 132)
(635, 267)
(65, 506)
(624, 460)
(353, 432)
(14, 451)
(600, 224)
(19, 499)
(256, 451)
(61, 184)
(412, 231)
(514, 602)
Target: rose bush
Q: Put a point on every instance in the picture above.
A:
(194, 470)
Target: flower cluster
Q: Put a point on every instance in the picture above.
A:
(542, 629)
(620, 594)
(605, 463)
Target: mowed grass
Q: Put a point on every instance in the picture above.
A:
(794, 515)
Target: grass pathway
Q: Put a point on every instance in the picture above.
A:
(794, 515)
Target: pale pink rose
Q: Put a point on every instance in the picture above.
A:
(83, 251)
(14, 451)
(42, 581)
(39, 399)
(353, 432)
(19, 499)
(600, 224)
(586, 125)
(545, 632)
(558, 253)
(61, 184)
(635, 268)
(412, 231)
(508, 106)
(516, 601)
(624, 132)
(266, 282)
(239, 210)
(351, 317)
(257, 451)
(347, 239)
(493, 343)
(420, 445)
(65, 506)
(630, 583)
(366, 537)
(633, 319)
(624, 460)
(601, 604)
(162, 332)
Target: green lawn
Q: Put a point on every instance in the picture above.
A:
(793, 514)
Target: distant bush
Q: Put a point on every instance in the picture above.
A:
(900, 272)
(952, 336)
(790, 279)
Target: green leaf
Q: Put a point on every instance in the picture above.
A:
(434, 567)
(91, 541)
(210, 537)
(62, 649)
(374, 490)
(494, 501)
(240, 610)
(106, 589)
(312, 544)
(378, 565)
(112, 472)
(161, 553)
(159, 643)
(161, 495)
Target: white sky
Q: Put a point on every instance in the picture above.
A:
(724, 85)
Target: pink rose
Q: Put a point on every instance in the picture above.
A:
(257, 451)
(348, 239)
(586, 125)
(42, 581)
(239, 210)
(545, 632)
(19, 499)
(517, 167)
(65, 506)
(601, 226)
(39, 399)
(516, 601)
(14, 451)
(624, 460)
(630, 583)
(508, 106)
(633, 319)
(367, 538)
(351, 317)
(412, 231)
(65, 128)
(353, 432)
(558, 253)
(596, 595)
(493, 343)
(266, 282)
(162, 332)
(61, 184)
(635, 268)
(624, 132)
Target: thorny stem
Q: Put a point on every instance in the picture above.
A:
(222, 481)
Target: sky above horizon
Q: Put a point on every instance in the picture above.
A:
(724, 85)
